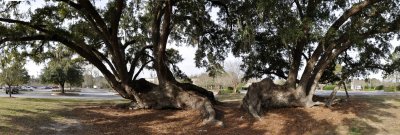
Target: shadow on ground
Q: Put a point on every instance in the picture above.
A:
(361, 115)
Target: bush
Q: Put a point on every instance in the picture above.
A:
(329, 87)
(392, 89)
(367, 88)
(380, 87)
(225, 91)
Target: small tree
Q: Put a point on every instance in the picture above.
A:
(12, 68)
(60, 74)
(14, 74)
(62, 68)
(74, 76)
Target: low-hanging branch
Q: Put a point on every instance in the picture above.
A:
(135, 60)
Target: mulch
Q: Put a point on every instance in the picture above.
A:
(315, 120)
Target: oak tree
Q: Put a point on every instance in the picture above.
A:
(121, 38)
(298, 40)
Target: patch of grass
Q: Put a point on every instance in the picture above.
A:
(355, 131)
(230, 97)
(329, 87)
(27, 115)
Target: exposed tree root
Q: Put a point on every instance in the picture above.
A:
(265, 94)
(176, 96)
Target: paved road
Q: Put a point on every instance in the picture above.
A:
(352, 93)
(357, 93)
(100, 94)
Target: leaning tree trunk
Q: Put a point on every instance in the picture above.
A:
(332, 97)
(265, 94)
(173, 94)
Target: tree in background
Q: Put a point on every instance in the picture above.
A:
(12, 69)
(393, 73)
(62, 69)
(235, 72)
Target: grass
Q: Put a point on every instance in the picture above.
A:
(21, 115)
(361, 115)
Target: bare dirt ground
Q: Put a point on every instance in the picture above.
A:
(360, 115)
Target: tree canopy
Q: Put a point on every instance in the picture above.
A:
(121, 38)
(276, 38)
(62, 68)
(279, 38)
(12, 71)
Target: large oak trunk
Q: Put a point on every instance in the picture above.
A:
(265, 94)
(172, 95)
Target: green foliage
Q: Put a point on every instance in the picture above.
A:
(62, 69)
(117, 35)
(368, 88)
(225, 91)
(392, 88)
(329, 87)
(60, 74)
(379, 87)
(12, 71)
(275, 36)
(14, 75)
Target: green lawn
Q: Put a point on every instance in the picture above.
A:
(361, 115)
(30, 115)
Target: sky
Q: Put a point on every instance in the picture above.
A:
(188, 53)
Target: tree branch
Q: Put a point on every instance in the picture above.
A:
(37, 27)
(135, 61)
(129, 43)
(89, 16)
(104, 58)
(311, 7)
(356, 9)
(141, 69)
(279, 74)
(93, 13)
(116, 18)
(299, 8)
(25, 38)
(332, 29)
(72, 4)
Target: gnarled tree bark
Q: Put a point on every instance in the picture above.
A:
(265, 94)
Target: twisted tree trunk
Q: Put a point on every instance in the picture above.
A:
(170, 93)
(265, 94)
(173, 95)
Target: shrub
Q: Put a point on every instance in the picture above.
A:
(329, 87)
(367, 88)
(392, 88)
(389, 89)
(225, 91)
(380, 87)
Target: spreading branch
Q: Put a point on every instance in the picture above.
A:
(135, 61)
(141, 69)
(25, 38)
(299, 8)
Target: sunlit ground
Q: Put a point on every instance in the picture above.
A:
(361, 115)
